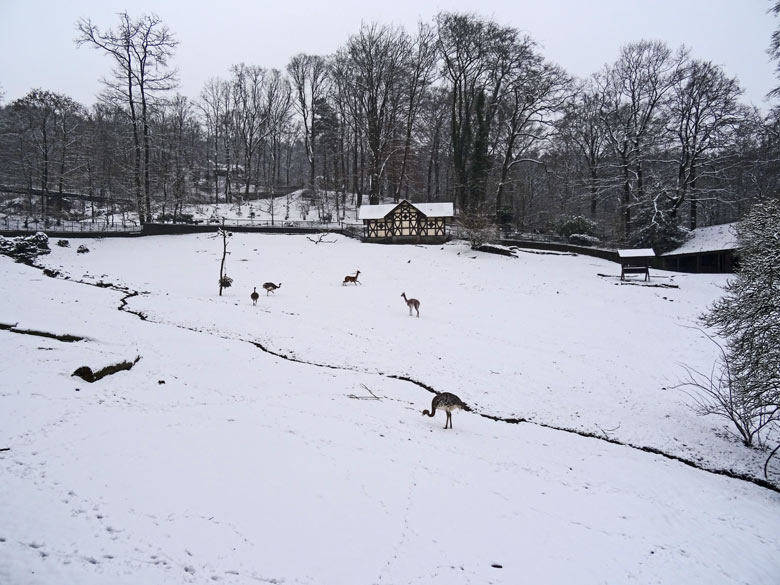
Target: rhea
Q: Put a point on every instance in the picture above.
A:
(446, 402)
(412, 304)
(352, 279)
(271, 287)
(254, 296)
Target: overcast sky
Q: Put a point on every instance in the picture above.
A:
(37, 48)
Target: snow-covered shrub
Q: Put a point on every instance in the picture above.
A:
(479, 228)
(63, 243)
(82, 249)
(25, 248)
(225, 281)
(583, 240)
(569, 225)
(655, 226)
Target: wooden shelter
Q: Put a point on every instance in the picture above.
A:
(635, 261)
(709, 249)
(406, 223)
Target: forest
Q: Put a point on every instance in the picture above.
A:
(462, 109)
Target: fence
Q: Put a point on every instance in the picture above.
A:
(20, 226)
(12, 225)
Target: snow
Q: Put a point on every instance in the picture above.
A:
(636, 253)
(214, 461)
(712, 238)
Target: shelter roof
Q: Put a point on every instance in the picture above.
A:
(636, 253)
(427, 209)
(714, 238)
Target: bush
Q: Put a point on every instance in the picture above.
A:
(225, 281)
(583, 240)
(478, 227)
(82, 249)
(63, 243)
(655, 226)
(575, 224)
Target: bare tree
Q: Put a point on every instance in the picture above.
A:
(52, 121)
(434, 140)
(177, 129)
(635, 88)
(704, 108)
(212, 105)
(309, 74)
(249, 113)
(37, 109)
(347, 104)
(420, 73)
(140, 50)
(536, 93)
(277, 103)
(377, 57)
(581, 125)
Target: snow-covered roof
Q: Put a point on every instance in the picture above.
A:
(427, 209)
(375, 211)
(712, 238)
(636, 253)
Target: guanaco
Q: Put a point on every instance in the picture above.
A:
(412, 304)
(352, 279)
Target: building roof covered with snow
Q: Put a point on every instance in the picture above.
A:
(708, 249)
(427, 209)
(708, 239)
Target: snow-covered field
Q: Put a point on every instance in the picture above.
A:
(212, 460)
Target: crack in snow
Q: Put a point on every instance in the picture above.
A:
(129, 294)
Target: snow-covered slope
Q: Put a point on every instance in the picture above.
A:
(214, 461)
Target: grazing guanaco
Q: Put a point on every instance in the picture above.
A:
(352, 279)
(270, 287)
(446, 402)
(412, 304)
(254, 296)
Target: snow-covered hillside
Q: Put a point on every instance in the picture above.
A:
(212, 460)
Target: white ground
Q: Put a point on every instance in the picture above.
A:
(243, 467)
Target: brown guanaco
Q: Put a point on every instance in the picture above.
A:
(412, 304)
(352, 279)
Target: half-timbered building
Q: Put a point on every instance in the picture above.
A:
(406, 223)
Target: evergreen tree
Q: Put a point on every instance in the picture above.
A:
(748, 317)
